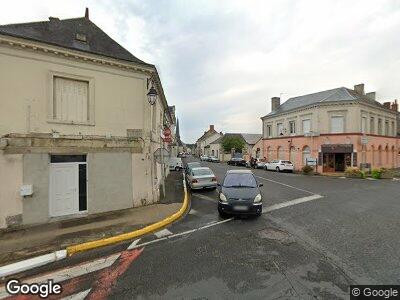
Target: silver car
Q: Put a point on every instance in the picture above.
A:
(201, 178)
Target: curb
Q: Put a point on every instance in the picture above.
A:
(71, 250)
(42, 260)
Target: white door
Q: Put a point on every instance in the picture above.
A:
(64, 183)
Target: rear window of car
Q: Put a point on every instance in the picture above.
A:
(202, 172)
(194, 165)
(240, 180)
(286, 162)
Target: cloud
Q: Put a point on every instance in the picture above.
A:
(220, 61)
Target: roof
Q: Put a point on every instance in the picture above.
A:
(341, 94)
(249, 138)
(207, 134)
(63, 33)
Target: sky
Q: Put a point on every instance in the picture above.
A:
(221, 61)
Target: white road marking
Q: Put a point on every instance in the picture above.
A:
(135, 242)
(284, 184)
(193, 212)
(162, 233)
(290, 203)
(79, 296)
(184, 233)
(204, 197)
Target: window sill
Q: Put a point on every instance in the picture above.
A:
(70, 122)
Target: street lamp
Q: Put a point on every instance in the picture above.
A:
(152, 95)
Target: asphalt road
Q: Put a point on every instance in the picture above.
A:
(317, 236)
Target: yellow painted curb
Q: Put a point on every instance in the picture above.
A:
(71, 250)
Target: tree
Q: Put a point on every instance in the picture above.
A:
(232, 142)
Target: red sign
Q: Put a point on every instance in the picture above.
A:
(167, 135)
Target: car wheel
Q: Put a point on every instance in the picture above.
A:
(277, 169)
(176, 168)
(222, 214)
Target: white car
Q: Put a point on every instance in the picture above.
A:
(279, 165)
(201, 178)
(175, 163)
(204, 158)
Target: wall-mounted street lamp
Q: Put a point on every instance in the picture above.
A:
(152, 94)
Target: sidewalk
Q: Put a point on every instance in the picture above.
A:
(41, 239)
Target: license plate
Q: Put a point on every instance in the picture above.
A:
(240, 208)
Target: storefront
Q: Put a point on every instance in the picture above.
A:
(337, 157)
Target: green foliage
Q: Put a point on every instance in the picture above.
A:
(307, 170)
(354, 172)
(231, 142)
(376, 173)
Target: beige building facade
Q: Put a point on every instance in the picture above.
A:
(78, 134)
(338, 128)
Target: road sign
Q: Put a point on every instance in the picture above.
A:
(311, 161)
(166, 135)
(364, 140)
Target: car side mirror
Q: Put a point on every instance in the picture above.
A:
(261, 184)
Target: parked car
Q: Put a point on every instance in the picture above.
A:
(213, 159)
(204, 158)
(279, 165)
(260, 163)
(239, 193)
(175, 163)
(192, 165)
(201, 178)
(237, 161)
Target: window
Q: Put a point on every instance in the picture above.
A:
(269, 130)
(393, 129)
(386, 127)
(306, 126)
(372, 125)
(306, 154)
(337, 124)
(279, 129)
(281, 153)
(364, 125)
(240, 180)
(380, 126)
(292, 127)
(70, 100)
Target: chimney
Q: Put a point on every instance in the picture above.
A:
(386, 105)
(275, 103)
(395, 106)
(212, 128)
(359, 88)
(87, 13)
(371, 95)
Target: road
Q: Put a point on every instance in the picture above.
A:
(317, 236)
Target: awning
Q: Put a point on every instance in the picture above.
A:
(337, 148)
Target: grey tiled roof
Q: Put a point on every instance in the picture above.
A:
(251, 138)
(334, 95)
(63, 33)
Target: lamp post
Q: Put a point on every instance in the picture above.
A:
(152, 98)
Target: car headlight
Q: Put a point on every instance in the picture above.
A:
(258, 198)
(222, 198)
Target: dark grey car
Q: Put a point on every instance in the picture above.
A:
(239, 193)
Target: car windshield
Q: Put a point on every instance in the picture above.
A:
(240, 180)
(202, 172)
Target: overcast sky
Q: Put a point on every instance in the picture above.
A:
(221, 61)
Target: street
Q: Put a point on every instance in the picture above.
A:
(317, 236)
